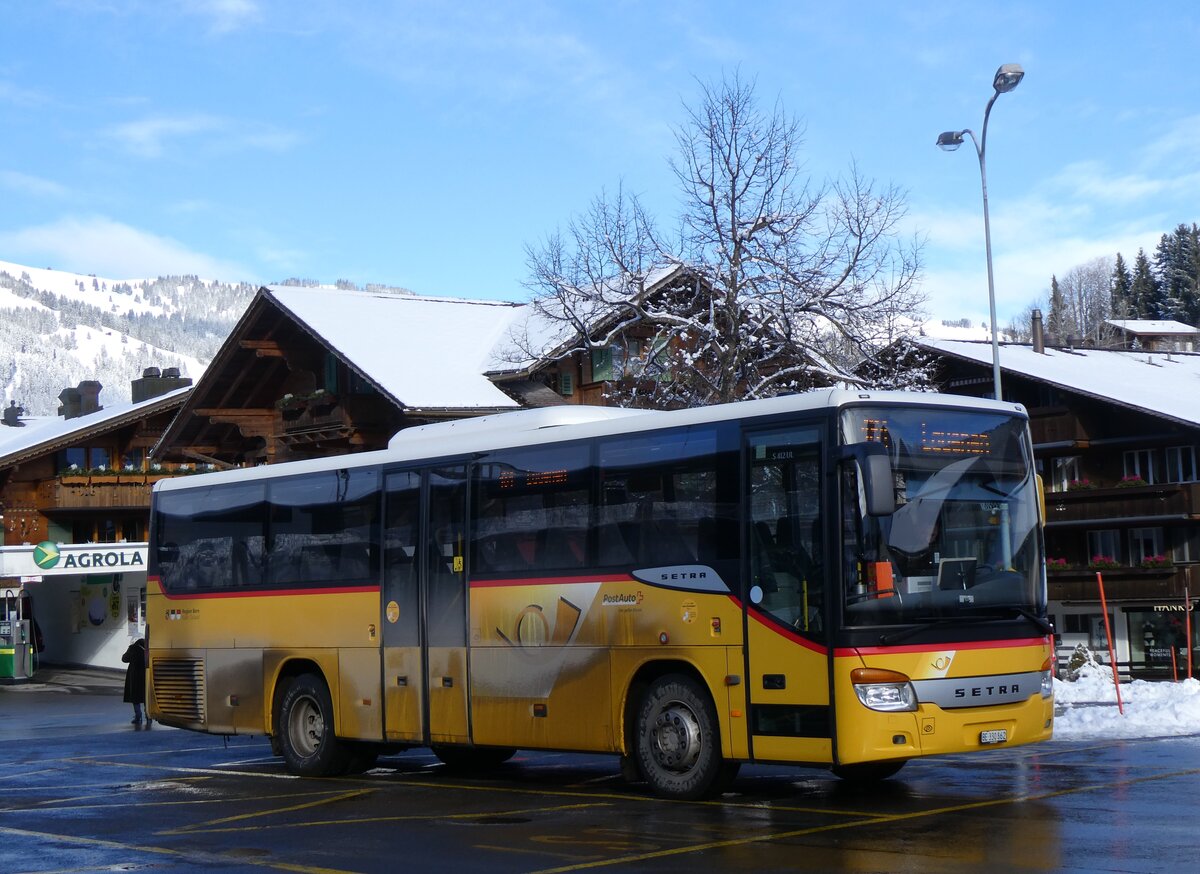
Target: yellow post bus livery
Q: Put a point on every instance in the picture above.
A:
(842, 579)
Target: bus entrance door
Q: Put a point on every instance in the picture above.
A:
(425, 607)
(445, 585)
(788, 667)
(403, 664)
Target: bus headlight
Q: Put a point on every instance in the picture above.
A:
(878, 689)
(1047, 684)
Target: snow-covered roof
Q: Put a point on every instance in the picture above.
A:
(426, 352)
(534, 336)
(1164, 384)
(1152, 326)
(44, 433)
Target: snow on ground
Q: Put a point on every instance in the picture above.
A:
(1087, 707)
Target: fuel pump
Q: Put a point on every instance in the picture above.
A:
(16, 645)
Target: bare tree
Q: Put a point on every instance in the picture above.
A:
(1087, 296)
(770, 283)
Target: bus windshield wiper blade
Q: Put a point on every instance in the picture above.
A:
(904, 634)
(1040, 621)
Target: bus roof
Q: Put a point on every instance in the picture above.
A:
(571, 422)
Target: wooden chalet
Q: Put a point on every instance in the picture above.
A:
(316, 372)
(1116, 438)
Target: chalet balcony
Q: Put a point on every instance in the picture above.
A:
(1128, 506)
(113, 491)
(1166, 584)
(327, 420)
(1056, 426)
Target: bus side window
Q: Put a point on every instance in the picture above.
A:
(531, 511)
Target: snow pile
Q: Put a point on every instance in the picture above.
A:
(1087, 707)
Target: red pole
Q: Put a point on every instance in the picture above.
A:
(1174, 667)
(1187, 620)
(1112, 654)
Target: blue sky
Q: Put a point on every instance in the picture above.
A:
(424, 145)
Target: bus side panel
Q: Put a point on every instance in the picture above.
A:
(541, 697)
(234, 680)
(447, 679)
(358, 705)
(788, 687)
(537, 666)
(865, 735)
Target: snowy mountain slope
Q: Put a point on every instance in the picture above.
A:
(58, 328)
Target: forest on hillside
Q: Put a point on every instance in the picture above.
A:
(1163, 285)
(112, 335)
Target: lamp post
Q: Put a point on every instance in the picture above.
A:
(1007, 78)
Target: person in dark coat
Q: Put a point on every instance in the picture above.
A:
(135, 678)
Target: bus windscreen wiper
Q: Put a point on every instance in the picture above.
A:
(897, 636)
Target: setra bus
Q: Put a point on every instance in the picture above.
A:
(841, 579)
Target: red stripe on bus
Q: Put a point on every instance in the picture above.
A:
(790, 635)
(936, 647)
(270, 593)
(555, 581)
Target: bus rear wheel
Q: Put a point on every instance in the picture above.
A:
(306, 730)
(676, 744)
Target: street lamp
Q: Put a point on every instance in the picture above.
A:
(1007, 78)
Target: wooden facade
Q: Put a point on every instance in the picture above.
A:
(1122, 498)
(276, 392)
(89, 484)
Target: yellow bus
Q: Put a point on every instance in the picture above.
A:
(842, 579)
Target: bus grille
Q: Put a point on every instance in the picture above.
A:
(179, 688)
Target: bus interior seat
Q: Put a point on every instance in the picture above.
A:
(613, 544)
(563, 548)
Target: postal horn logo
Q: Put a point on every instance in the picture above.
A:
(46, 555)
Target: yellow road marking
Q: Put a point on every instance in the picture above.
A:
(188, 855)
(841, 826)
(206, 826)
(427, 817)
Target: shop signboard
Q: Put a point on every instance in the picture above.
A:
(47, 559)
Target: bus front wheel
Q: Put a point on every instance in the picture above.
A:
(306, 730)
(677, 746)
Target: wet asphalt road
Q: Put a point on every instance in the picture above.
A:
(83, 790)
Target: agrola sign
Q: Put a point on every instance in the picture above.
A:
(51, 559)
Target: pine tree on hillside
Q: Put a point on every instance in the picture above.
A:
(1177, 269)
(1121, 282)
(1056, 319)
(1143, 290)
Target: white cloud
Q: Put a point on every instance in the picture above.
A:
(1091, 180)
(148, 137)
(226, 15)
(18, 96)
(31, 185)
(1178, 142)
(96, 244)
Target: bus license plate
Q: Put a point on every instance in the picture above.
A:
(995, 736)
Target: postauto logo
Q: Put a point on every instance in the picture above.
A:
(46, 554)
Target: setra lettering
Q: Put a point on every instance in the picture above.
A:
(988, 691)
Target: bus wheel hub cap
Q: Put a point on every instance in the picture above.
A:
(676, 737)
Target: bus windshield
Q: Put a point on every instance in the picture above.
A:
(964, 540)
